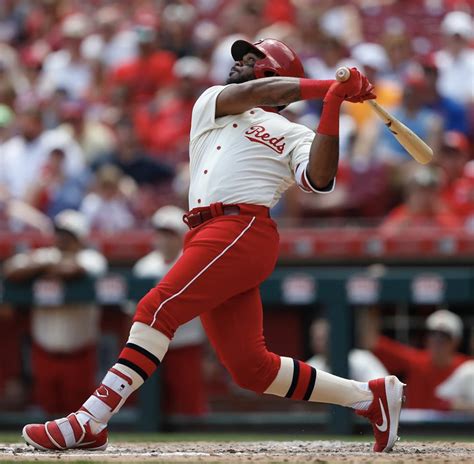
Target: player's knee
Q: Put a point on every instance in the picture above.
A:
(148, 312)
(255, 373)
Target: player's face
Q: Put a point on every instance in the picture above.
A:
(440, 345)
(169, 243)
(242, 71)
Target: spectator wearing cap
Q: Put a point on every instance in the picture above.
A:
(422, 369)
(93, 136)
(112, 44)
(23, 156)
(184, 387)
(66, 68)
(399, 49)
(107, 208)
(64, 334)
(452, 158)
(453, 113)
(424, 122)
(423, 206)
(53, 190)
(373, 61)
(163, 126)
(456, 60)
(138, 80)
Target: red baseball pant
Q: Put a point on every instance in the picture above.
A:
(223, 263)
(217, 278)
(61, 381)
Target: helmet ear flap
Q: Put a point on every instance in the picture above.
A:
(264, 71)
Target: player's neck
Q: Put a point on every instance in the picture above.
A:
(269, 109)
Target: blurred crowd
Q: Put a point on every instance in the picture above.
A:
(96, 99)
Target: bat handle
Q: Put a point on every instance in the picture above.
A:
(343, 73)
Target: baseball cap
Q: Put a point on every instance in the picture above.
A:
(190, 66)
(73, 222)
(455, 141)
(76, 26)
(370, 54)
(445, 321)
(458, 22)
(169, 218)
(425, 177)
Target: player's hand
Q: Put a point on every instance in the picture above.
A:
(366, 93)
(356, 89)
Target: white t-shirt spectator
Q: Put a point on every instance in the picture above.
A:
(68, 327)
(459, 386)
(456, 75)
(61, 72)
(21, 161)
(107, 215)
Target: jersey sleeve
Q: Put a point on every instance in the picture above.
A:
(92, 262)
(300, 159)
(204, 112)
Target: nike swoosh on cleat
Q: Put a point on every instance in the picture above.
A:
(383, 427)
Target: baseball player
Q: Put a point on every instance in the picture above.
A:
(243, 156)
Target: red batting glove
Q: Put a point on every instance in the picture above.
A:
(350, 88)
(366, 93)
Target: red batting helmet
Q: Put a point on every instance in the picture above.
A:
(275, 58)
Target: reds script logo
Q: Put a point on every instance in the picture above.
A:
(260, 135)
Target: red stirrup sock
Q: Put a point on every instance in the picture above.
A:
(312, 89)
(143, 353)
(329, 122)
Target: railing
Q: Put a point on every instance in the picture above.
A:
(312, 245)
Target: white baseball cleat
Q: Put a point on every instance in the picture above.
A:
(63, 434)
(384, 411)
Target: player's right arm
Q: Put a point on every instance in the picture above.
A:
(268, 91)
(276, 91)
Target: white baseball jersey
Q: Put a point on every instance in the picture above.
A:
(251, 157)
(459, 385)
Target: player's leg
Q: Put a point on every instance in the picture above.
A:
(235, 330)
(184, 388)
(219, 261)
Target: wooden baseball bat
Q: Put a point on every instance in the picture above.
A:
(415, 147)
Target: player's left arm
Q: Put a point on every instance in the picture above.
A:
(324, 153)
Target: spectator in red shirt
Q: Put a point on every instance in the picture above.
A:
(138, 81)
(163, 126)
(458, 189)
(423, 206)
(423, 369)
